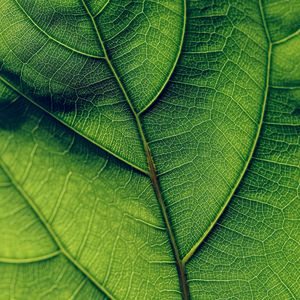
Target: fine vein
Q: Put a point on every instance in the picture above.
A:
(174, 64)
(51, 232)
(152, 170)
(54, 39)
(101, 9)
(213, 223)
(17, 90)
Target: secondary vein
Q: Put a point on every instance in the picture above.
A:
(9, 260)
(174, 64)
(52, 38)
(50, 230)
(196, 246)
(152, 170)
(17, 90)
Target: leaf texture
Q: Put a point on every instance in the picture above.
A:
(149, 149)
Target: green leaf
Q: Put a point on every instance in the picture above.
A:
(149, 149)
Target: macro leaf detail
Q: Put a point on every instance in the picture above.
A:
(149, 149)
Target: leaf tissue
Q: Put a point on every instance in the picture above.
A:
(149, 149)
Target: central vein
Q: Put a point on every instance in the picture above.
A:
(179, 263)
(152, 170)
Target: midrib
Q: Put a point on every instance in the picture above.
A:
(180, 263)
(151, 166)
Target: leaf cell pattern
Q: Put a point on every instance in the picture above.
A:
(149, 149)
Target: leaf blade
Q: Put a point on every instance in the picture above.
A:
(202, 132)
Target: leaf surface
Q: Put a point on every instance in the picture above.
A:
(149, 150)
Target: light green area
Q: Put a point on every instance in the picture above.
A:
(85, 87)
(23, 237)
(253, 252)
(101, 213)
(55, 279)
